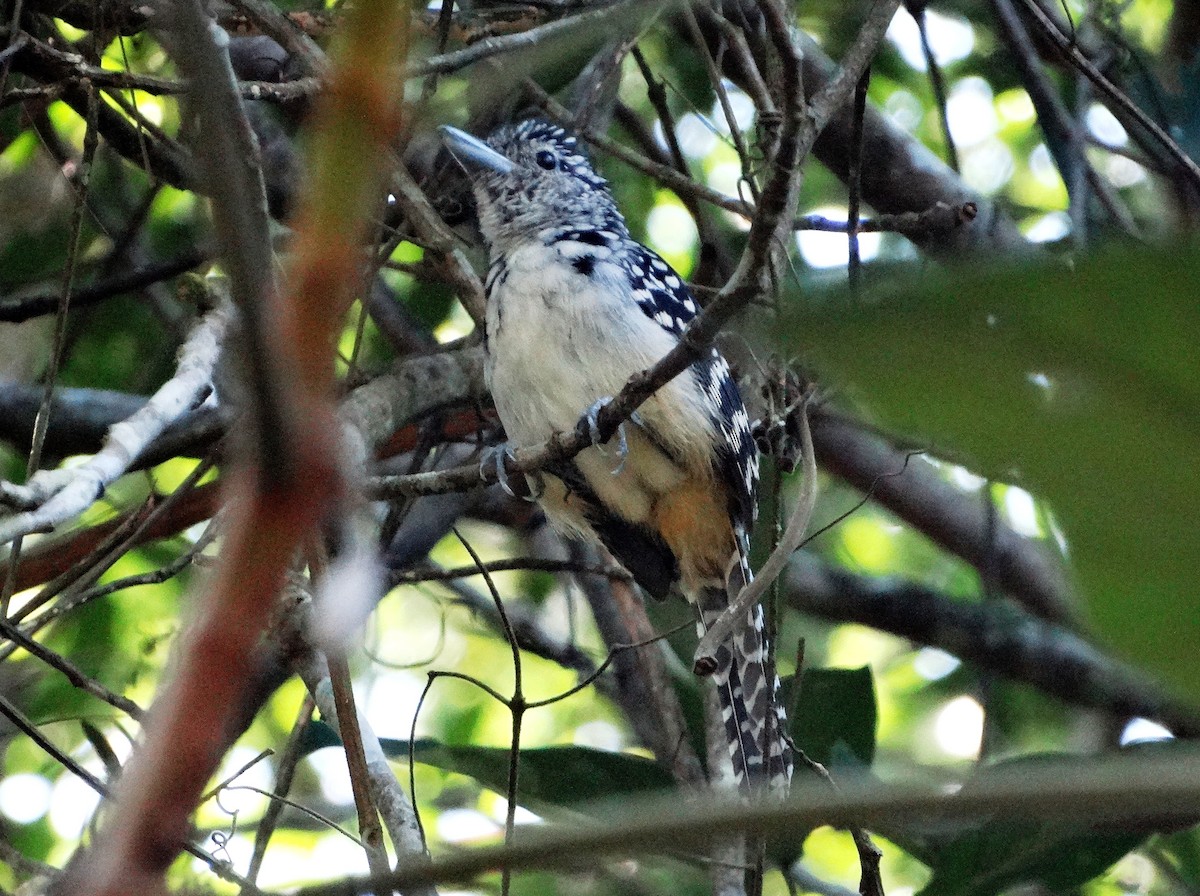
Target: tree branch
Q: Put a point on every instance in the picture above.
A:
(1133, 789)
(915, 492)
(994, 635)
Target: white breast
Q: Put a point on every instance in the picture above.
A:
(558, 341)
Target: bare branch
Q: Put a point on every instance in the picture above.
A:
(996, 635)
(592, 21)
(19, 308)
(59, 495)
(354, 732)
(1125, 788)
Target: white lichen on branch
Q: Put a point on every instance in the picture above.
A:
(54, 496)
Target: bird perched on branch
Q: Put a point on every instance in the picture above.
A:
(575, 307)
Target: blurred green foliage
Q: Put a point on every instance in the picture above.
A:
(1079, 385)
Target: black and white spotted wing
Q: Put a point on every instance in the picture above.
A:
(665, 298)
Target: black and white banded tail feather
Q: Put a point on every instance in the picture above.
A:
(755, 722)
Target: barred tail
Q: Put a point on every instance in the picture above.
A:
(754, 720)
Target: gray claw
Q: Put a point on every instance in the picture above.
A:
(537, 487)
(593, 418)
(496, 457)
(622, 449)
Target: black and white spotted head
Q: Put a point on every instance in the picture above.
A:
(530, 180)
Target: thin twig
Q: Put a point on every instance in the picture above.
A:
(704, 660)
(657, 95)
(532, 636)
(513, 564)
(1030, 571)
(517, 706)
(870, 883)
(1067, 47)
(641, 677)
(73, 673)
(593, 20)
(26, 726)
(21, 308)
(936, 81)
(42, 421)
(940, 218)
(285, 770)
(718, 84)
(352, 741)
(613, 653)
(432, 229)
(854, 182)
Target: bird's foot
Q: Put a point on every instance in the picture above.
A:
(593, 419)
(497, 457)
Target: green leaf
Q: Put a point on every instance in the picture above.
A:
(1080, 385)
(1180, 852)
(550, 776)
(1002, 854)
(835, 715)
(995, 855)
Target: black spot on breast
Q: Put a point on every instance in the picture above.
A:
(584, 265)
(591, 238)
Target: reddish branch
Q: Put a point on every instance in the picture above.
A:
(275, 500)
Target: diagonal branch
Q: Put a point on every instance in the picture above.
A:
(56, 496)
(994, 635)
(704, 660)
(1127, 106)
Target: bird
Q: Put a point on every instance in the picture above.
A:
(575, 306)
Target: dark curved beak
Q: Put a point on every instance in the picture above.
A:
(472, 153)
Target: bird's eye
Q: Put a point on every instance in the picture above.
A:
(546, 159)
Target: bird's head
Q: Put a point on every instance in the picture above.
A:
(530, 179)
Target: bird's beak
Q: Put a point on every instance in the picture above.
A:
(472, 152)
